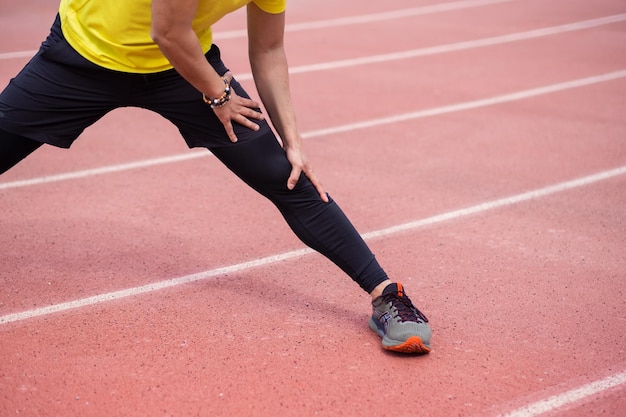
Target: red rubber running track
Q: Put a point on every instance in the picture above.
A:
(478, 145)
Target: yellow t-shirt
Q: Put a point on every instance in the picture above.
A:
(115, 34)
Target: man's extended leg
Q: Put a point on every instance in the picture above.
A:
(262, 164)
(14, 148)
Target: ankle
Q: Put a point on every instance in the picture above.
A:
(378, 290)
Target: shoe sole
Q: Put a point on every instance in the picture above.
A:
(412, 345)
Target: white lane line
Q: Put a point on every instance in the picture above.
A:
(370, 18)
(17, 54)
(452, 47)
(116, 295)
(520, 95)
(328, 23)
(456, 214)
(468, 105)
(557, 401)
(106, 169)
(507, 201)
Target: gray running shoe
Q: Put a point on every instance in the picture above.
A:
(402, 326)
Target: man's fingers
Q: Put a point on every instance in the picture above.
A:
(322, 193)
(239, 110)
(230, 131)
(244, 121)
(318, 186)
(257, 115)
(247, 102)
(295, 176)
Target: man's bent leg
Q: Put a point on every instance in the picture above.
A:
(263, 165)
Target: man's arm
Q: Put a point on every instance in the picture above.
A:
(173, 33)
(271, 76)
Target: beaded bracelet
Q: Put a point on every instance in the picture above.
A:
(221, 100)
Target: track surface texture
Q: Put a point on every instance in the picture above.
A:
(478, 145)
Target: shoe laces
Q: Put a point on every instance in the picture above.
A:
(405, 308)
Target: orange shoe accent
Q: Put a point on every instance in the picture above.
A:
(412, 345)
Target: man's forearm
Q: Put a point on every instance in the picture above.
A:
(271, 77)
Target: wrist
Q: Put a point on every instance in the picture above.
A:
(220, 100)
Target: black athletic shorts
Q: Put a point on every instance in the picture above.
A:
(59, 94)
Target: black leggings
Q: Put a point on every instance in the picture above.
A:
(14, 148)
(263, 165)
